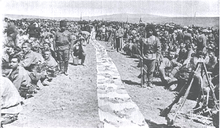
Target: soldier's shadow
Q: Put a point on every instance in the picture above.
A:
(129, 82)
(71, 63)
(138, 84)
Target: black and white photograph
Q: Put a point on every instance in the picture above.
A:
(109, 63)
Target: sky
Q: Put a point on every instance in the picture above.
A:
(76, 8)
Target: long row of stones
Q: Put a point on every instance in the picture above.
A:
(116, 109)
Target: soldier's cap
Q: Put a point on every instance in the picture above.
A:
(141, 24)
(63, 23)
(150, 27)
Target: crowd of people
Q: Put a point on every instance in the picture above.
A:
(173, 53)
(165, 47)
(37, 50)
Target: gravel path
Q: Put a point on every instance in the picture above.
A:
(116, 109)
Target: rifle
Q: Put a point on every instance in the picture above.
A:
(142, 60)
(202, 66)
(55, 49)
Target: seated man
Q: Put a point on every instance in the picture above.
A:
(131, 48)
(47, 46)
(20, 77)
(211, 59)
(168, 68)
(35, 46)
(10, 101)
(8, 52)
(183, 53)
(49, 60)
(51, 68)
(30, 61)
(127, 46)
(190, 73)
(86, 36)
(79, 52)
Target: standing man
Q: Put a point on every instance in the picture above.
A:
(119, 38)
(62, 47)
(151, 53)
(12, 31)
(93, 33)
(33, 30)
(79, 52)
(201, 42)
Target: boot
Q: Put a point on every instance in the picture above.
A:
(83, 59)
(150, 78)
(66, 67)
(149, 84)
(61, 64)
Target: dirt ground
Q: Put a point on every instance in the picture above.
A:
(150, 101)
(71, 101)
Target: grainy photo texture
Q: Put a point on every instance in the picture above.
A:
(109, 64)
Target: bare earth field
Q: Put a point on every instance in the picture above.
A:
(71, 101)
(150, 101)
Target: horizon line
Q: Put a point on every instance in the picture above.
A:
(156, 15)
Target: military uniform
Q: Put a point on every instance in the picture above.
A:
(33, 31)
(12, 32)
(20, 77)
(79, 52)
(62, 47)
(201, 44)
(29, 60)
(119, 39)
(151, 53)
(168, 69)
(52, 66)
(32, 61)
